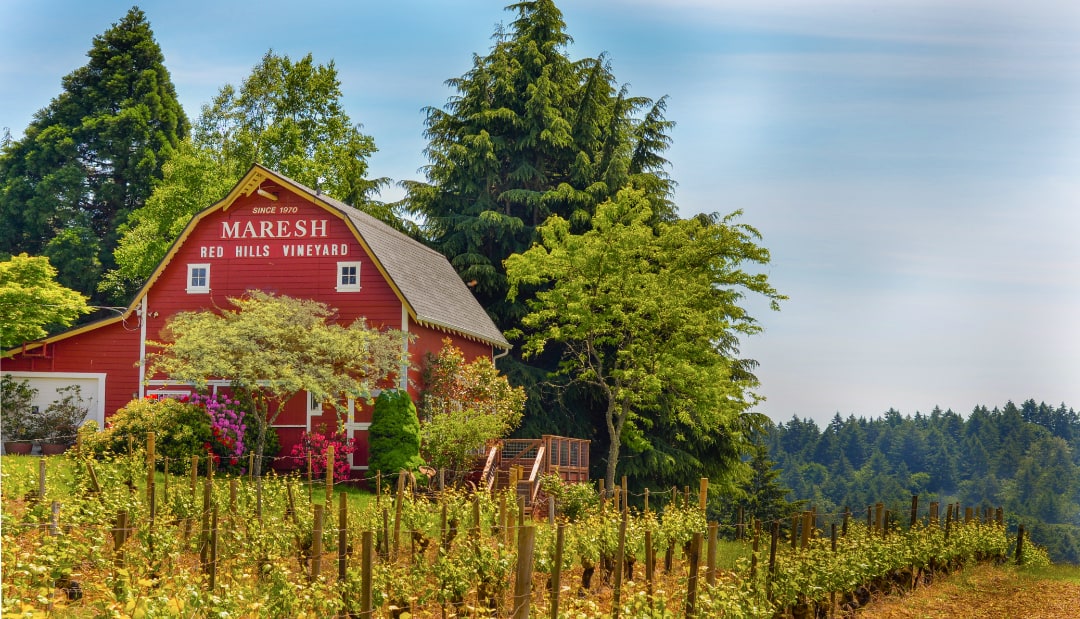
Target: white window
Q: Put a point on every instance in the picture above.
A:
(198, 281)
(314, 406)
(348, 278)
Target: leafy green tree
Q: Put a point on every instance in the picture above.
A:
(394, 435)
(93, 154)
(532, 133)
(276, 347)
(31, 301)
(286, 115)
(762, 496)
(613, 292)
(463, 407)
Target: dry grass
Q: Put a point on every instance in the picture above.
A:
(987, 591)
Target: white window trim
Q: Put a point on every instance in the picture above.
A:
(348, 287)
(205, 289)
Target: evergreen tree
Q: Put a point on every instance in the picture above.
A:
(530, 134)
(92, 155)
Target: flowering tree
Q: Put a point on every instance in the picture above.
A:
(463, 406)
(275, 347)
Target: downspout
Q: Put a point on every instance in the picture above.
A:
(142, 346)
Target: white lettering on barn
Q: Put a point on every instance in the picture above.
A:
(315, 249)
(281, 229)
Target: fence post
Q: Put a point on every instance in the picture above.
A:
(710, 554)
(54, 522)
(620, 562)
(1020, 545)
(365, 575)
(343, 537)
(948, 521)
(41, 478)
(914, 510)
(807, 526)
(213, 549)
(397, 510)
(150, 460)
(795, 530)
(772, 556)
(753, 554)
(204, 532)
(329, 474)
(316, 542)
(847, 516)
(650, 564)
(523, 580)
(556, 569)
(692, 580)
(703, 493)
(646, 500)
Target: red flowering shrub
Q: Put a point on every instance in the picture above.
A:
(315, 444)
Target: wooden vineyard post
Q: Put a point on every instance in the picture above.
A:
(1020, 545)
(329, 475)
(54, 519)
(948, 521)
(251, 465)
(385, 533)
(847, 516)
(650, 564)
(309, 481)
(692, 580)
(999, 516)
(150, 459)
(753, 554)
(795, 531)
(967, 515)
(213, 549)
(710, 554)
(366, 609)
(524, 572)
(832, 536)
(204, 532)
(703, 494)
(646, 500)
(620, 562)
(885, 524)
(343, 537)
(397, 511)
(934, 514)
(41, 479)
(869, 519)
(233, 487)
(807, 526)
(879, 516)
(772, 556)
(119, 536)
(316, 542)
(378, 488)
(914, 510)
(556, 568)
(93, 477)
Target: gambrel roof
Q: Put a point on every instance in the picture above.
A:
(424, 281)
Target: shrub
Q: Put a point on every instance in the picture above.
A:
(61, 420)
(394, 435)
(181, 430)
(17, 419)
(315, 445)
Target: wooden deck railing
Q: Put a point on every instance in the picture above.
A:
(567, 457)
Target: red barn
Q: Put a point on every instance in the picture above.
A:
(272, 234)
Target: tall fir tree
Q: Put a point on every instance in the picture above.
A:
(92, 155)
(529, 134)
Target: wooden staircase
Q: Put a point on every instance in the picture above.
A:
(520, 463)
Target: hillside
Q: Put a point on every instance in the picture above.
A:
(1022, 458)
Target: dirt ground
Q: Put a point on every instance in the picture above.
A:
(985, 591)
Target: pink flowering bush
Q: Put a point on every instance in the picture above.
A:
(227, 429)
(315, 444)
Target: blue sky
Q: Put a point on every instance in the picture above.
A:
(913, 165)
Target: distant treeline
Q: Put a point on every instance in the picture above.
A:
(1024, 458)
